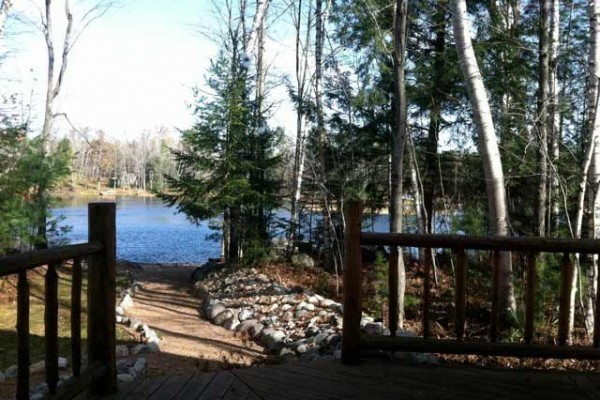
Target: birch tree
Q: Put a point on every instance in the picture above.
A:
(398, 144)
(488, 146)
(5, 6)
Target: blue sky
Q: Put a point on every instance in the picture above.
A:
(133, 69)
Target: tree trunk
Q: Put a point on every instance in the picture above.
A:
(5, 7)
(322, 139)
(488, 147)
(301, 71)
(594, 153)
(553, 119)
(398, 144)
(542, 116)
(438, 94)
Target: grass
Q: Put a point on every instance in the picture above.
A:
(8, 317)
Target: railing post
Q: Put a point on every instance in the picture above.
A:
(51, 327)
(495, 321)
(564, 307)
(352, 285)
(101, 295)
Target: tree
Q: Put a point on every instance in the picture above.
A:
(488, 146)
(228, 158)
(5, 6)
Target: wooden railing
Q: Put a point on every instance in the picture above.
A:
(353, 341)
(100, 374)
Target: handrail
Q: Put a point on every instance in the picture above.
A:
(353, 342)
(13, 264)
(100, 250)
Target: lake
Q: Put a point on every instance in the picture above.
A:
(147, 231)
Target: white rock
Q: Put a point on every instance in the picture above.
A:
(217, 309)
(11, 372)
(309, 307)
(286, 307)
(140, 366)
(126, 302)
(63, 362)
(124, 378)
(231, 323)
(37, 367)
(120, 311)
(246, 325)
(122, 351)
(223, 316)
(373, 329)
(245, 314)
(313, 300)
(327, 303)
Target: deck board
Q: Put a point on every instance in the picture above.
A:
(373, 379)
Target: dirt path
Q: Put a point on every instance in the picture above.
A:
(189, 343)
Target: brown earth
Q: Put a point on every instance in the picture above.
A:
(189, 343)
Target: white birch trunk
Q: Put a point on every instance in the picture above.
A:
(488, 146)
(251, 39)
(5, 7)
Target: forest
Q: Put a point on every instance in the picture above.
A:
(449, 116)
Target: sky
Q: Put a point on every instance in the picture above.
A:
(133, 69)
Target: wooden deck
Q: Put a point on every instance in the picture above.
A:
(373, 379)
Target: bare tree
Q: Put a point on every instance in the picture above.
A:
(55, 80)
(5, 6)
(398, 144)
(488, 146)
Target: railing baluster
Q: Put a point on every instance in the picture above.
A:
(566, 278)
(426, 293)
(495, 321)
(352, 285)
(394, 290)
(461, 293)
(597, 314)
(76, 317)
(530, 296)
(51, 328)
(23, 336)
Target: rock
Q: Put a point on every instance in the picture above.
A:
(309, 307)
(63, 362)
(327, 303)
(320, 338)
(301, 314)
(231, 323)
(37, 396)
(122, 351)
(273, 339)
(140, 366)
(286, 353)
(11, 372)
(223, 316)
(303, 348)
(246, 325)
(245, 314)
(37, 367)
(373, 329)
(120, 311)
(337, 354)
(285, 307)
(126, 302)
(302, 261)
(262, 278)
(153, 347)
(287, 316)
(311, 331)
(313, 300)
(123, 366)
(256, 330)
(124, 378)
(216, 310)
(135, 324)
(202, 291)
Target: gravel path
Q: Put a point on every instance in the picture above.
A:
(188, 342)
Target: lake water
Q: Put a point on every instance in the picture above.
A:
(147, 231)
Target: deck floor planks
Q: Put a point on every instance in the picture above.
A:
(373, 379)
(217, 387)
(145, 389)
(195, 386)
(171, 387)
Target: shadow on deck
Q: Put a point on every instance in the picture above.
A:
(373, 379)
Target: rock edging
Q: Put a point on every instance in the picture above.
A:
(292, 323)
